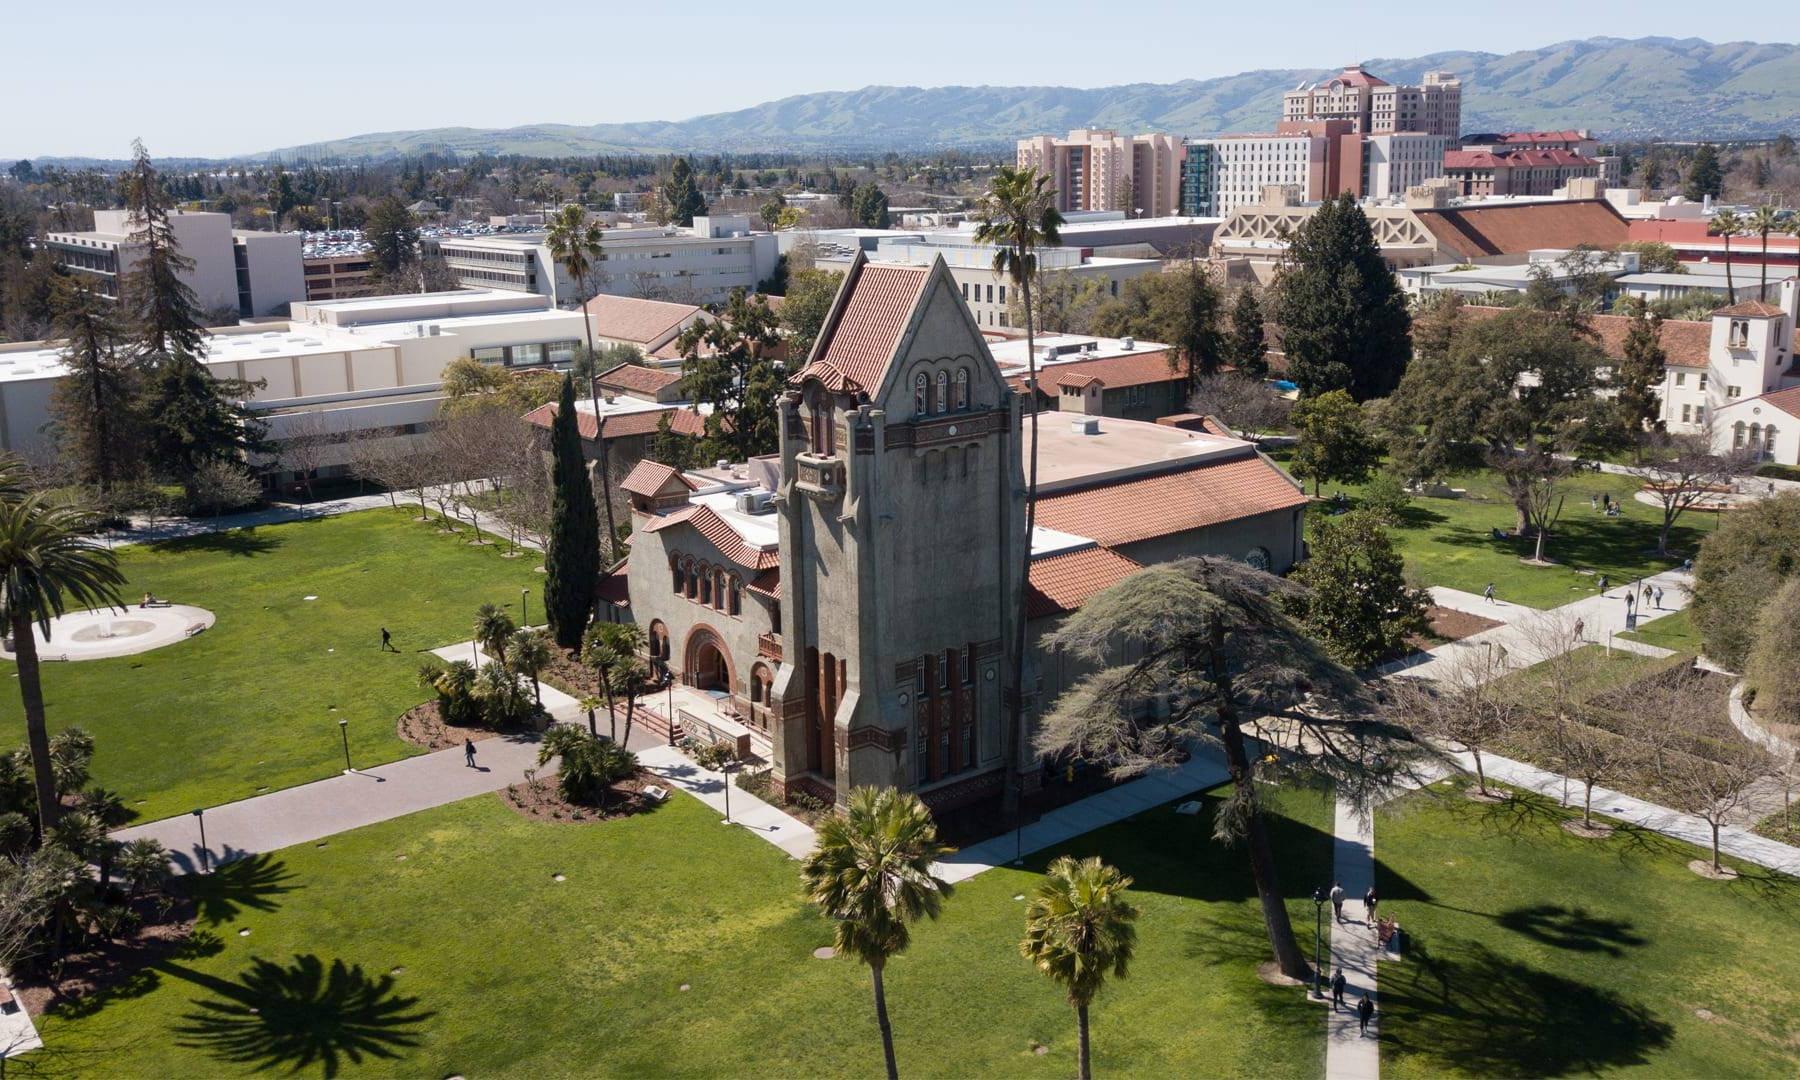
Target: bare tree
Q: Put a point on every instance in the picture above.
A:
(1249, 405)
(305, 447)
(368, 452)
(1465, 709)
(1682, 470)
(1536, 480)
(1592, 755)
(1713, 787)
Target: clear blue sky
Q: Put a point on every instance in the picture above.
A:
(209, 78)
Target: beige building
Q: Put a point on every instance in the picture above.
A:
(1099, 169)
(1376, 106)
(256, 274)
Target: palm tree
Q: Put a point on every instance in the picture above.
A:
(1727, 224)
(493, 626)
(1078, 928)
(530, 655)
(589, 704)
(871, 875)
(1018, 215)
(574, 241)
(46, 561)
(1765, 221)
(144, 864)
(608, 649)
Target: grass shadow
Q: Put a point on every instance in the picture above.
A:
(1575, 929)
(244, 543)
(251, 883)
(302, 1016)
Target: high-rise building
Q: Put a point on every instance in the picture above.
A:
(1099, 169)
(1318, 159)
(1375, 106)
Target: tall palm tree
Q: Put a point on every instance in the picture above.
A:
(1078, 929)
(1728, 224)
(1765, 221)
(493, 627)
(530, 650)
(871, 875)
(574, 241)
(46, 561)
(1018, 215)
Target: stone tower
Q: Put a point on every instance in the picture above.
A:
(902, 540)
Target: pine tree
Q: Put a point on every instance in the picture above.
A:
(1343, 317)
(195, 419)
(161, 308)
(681, 194)
(728, 363)
(393, 236)
(96, 408)
(1705, 177)
(1246, 347)
(572, 556)
(1641, 370)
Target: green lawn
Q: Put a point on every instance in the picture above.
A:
(468, 958)
(1450, 542)
(249, 704)
(1534, 953)
(1671, 632)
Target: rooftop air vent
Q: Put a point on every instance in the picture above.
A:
(1127, 342)
(1087, 425)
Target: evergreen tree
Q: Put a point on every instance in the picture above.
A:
(572, 556)
(681, 194)
(96, 406)
(728, 363)
(1640, 372)
(1335, 443)
(1246, 346)
(196, 419)
(1653, 172)
(161, 308)
(1784, 146)
(670, 446)
(1185, 307)
(393, 236)
(869, 206)
(1356, 601)
(1343, 317)
(1705, 176)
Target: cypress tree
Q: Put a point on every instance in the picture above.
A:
(572, 556)
(1344, 324)
(1246, 346)
(681, 194)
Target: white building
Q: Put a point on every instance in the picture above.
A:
(371, 363)
(1752, 390)
(256, 273)
(698, 265)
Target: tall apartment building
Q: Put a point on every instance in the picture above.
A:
(1483, 173)
(256, 273)
(1375, 106)
(1319, 159)
(1099, 169)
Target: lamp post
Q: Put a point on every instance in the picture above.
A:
(344, 730)
(669, 716)
(1318, 940)
(525, 607)
(726, 769)
(205, 862)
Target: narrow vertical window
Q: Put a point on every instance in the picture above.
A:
(962, 388)
(943, 391)
(921, 393)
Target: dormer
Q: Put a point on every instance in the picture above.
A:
(656, 488)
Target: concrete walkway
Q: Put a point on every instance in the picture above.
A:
(1349, 1054)
(149, 530)
(748, 812)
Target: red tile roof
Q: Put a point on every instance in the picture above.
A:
(1542, 136)
(1788, 401)
(867, 333)
(1516, 228)
(1168, 503)
(768, 583)
(719, 534)
(1113, 372)
(627, 318)
(638, 378)
(648, 478)
(682, 421)
(1752, 309)
(615, 587)
(1686, 343)
(1506, 159)
(1355, 76)
(1064, 581)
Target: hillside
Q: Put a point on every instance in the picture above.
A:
(1649, 87)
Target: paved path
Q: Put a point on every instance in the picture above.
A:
(149, 530)
(759, 818)
(1349, 1054)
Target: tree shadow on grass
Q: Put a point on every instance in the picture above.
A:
(251, 883)
(244, 543)
(302, 1016)
(1575, 929)
(1477, 1012)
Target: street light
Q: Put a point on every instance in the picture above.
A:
(525, 607)
(669, 717)
(344, 730)
(1319, 898)
(200, 816)
(726, 769)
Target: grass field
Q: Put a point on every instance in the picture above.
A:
(1671, 632)
(1535, 953)
(1451, 542)
(253, 703)
(677, 947)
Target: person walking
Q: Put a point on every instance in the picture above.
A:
(1602, 584)
(1580, 625)
(1365, 1011)
(1337, 900)
(1659, 596)
(1630, 601)
(1488, 593)
(1594, 501)
(387, 641)
(1337, 990)
(1687, 565)
(1369, 902)
(469, 753)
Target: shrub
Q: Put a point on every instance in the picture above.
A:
(589, 765)
(707, 755)
(1747, 560)
(220, 486)
(1386, 497)
(15, 834)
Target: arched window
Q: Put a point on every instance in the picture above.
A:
(759, 684)
(962, 388)
(921, 393)
(675, 571)
(943, 391)
(1737, 435)
(1755, 435)
(690, 581)
(1769, 438)
(737, 598)
(706, 587)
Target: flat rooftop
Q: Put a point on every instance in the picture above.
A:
(1068, 457)
(1013, 358)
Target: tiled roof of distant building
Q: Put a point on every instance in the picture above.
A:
(1486, 159)
(682, 421)
(1173, 502)
(1114, 372)
(719, 533)
(648, 478)
(627, 318)
(1517, 228)
(1064, 581)
(637, 378)
(1751, 309)
(1686, 343)
(862, 343)
(1788, 401)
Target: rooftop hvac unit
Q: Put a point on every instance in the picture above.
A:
(436, 330)
(1087, 425)
(752, 502)
(1127, 342)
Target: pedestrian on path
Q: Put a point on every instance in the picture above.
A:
(1594, 501)
(1602, 584)
(1369, 902)
(469, 753)
(1580, 625)
(1488, 593)
(1659, 596)
(1365, 1011)
(1337, 900)
(1337, 990)
(1687, 565)
(387, 641)
(1630, 602)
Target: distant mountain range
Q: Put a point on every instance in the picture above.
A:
(1649, 87)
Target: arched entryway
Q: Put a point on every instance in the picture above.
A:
(706, 663)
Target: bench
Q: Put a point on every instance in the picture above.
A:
(193, 628)
(656, 793)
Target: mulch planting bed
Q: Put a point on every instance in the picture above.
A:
(422, 726)
(540, 800)
(166, 930)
